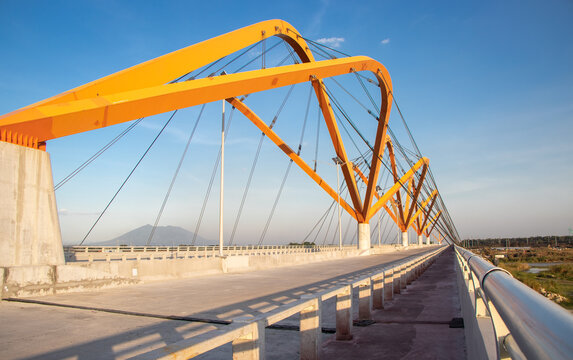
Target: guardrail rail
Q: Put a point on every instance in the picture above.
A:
(504, 318)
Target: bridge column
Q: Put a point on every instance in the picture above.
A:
(29, 225)
(420, 239)
(363, 236)
(405, 241)
(428, 240)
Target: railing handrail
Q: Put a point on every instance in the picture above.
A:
(541, 328)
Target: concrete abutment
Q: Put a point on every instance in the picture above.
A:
(29, 225)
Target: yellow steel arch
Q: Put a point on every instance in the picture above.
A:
(165, 68)
(143, 90)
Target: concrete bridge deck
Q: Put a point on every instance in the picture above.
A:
(101, 328)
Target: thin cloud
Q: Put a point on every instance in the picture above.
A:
(316, 22)
(66, 212)
(385, 41)
(333, 42)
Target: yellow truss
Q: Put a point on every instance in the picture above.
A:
(145, 90)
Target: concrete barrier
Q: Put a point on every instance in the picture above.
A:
(144, 265)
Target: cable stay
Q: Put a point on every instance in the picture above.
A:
(255, 160)
(265, 229)
(328, 227)
(319, 220)
(128, 176)
(317, 139)
(97, 154)
(160, 213)
(322, 46)
(376, 107)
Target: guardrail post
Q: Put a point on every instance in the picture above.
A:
(378, 291)
(397, 278)
(388, 284)
(403, 271)
(501, 331)
(310, 329)
(251, 346)
(365, 301)
(344, 314)
(410, 272)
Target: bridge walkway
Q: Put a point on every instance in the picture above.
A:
(96, 325)
(414, 325)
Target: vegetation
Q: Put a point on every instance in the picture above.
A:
(306, 243)
(533, 241)
(556, 283)
(531, 255)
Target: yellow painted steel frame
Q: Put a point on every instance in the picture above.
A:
(421, 227)
(395, 190)
(434, 221)
(415, 221)
(145, 90)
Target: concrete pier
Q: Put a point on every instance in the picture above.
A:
(364, 236)
(29, 225)
(405, 240)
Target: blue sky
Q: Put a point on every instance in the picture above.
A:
(486, 88)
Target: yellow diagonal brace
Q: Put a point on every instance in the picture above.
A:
(427, 213)
(434, 222)
(336, 139)
(415, 195)
(421, 209)
(396, 187)
(392, 214)
(380, 141)
(291, 154)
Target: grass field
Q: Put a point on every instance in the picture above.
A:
(556, 283)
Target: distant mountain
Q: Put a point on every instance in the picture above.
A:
(164, 235)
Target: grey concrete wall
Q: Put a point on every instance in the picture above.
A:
(29, 225)
(38, 280)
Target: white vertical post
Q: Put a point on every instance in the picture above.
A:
(365, 301)
(378, 291)
(379, 218)
(222, 182)
(252, 345)
(310, 329)
(344, 314)
(339, 220)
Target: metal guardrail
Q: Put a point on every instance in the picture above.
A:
(247, 335)
(526, 325)
(123, 253)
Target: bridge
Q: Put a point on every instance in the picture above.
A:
(255, 300)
